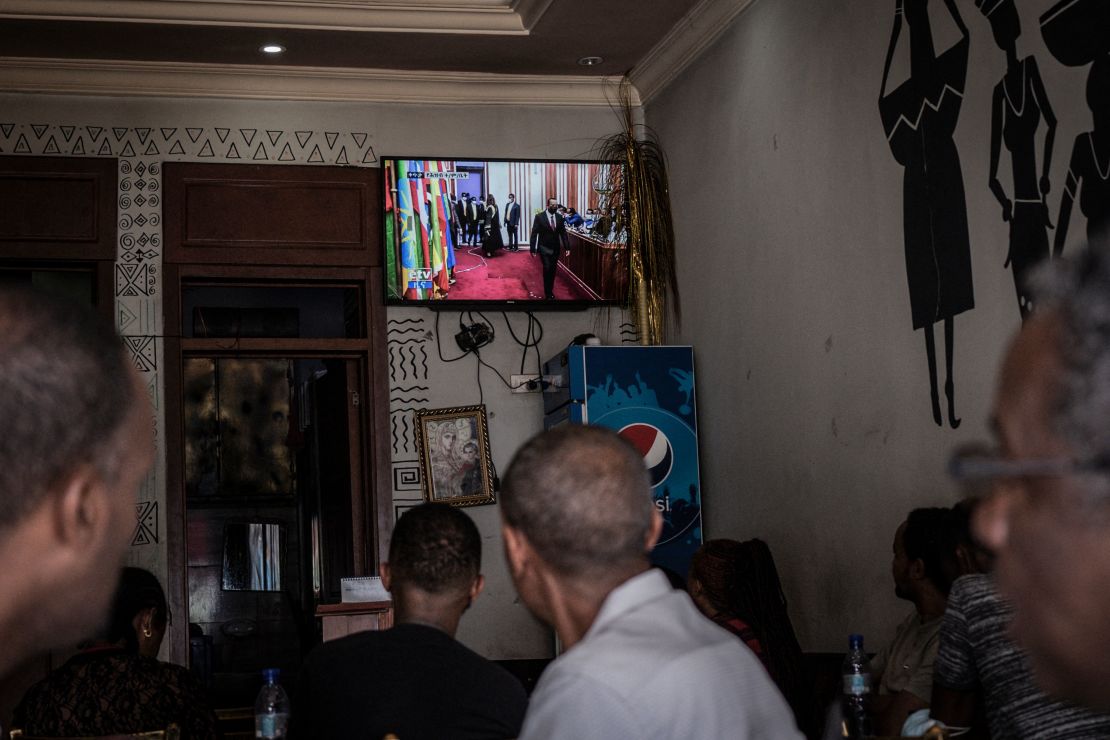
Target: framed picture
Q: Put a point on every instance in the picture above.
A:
(454, 455)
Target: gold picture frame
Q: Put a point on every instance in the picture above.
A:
(454, 455)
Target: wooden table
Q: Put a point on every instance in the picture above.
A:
(340, 620)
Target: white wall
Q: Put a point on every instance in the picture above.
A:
(816, 430)
(143, 133)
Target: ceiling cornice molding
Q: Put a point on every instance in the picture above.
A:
(530, 11)
(487, 18)
(699, 28)
(321, 84)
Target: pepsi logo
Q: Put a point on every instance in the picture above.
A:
(654, 447)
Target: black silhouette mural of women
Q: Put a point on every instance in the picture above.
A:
(1017, 106)
(919, 118)
(1077, 32)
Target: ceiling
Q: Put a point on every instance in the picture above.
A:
(492, 50)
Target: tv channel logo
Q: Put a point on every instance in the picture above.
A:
(420, 278)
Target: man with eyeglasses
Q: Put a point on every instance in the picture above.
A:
(1048, 515)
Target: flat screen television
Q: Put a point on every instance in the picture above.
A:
(443, 249)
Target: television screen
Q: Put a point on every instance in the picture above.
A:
(481, 232)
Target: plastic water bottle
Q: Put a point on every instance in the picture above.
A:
(271, 708)
(856, 674)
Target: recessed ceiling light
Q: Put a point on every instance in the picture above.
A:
(273, 48)
(590, 61)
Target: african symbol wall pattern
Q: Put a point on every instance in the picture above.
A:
(408, 340)
(137, 281)
(141, 152)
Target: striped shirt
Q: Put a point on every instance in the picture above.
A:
(975, 652)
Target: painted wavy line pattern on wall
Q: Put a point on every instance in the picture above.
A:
(408, 390)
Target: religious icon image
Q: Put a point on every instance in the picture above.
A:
(455, 456)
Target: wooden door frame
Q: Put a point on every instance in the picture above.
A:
(372, 512)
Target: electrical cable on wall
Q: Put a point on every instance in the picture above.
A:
(531, 339)
(439, 345)
(474, 335)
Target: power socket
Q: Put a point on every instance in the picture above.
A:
(531, 383)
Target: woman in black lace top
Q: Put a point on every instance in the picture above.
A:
(118, 685)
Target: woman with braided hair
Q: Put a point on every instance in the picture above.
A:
(716, 586)
(737, 586)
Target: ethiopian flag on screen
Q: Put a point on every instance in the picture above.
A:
(392, 268)
(415, 273)
(418, 229)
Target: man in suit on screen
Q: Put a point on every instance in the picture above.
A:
(512, 222)
(462, 208)
(455, 216)
(549, 235)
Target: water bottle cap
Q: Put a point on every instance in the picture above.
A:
(270, 675)
(855, 641)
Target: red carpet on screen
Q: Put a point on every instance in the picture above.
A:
(512, 276)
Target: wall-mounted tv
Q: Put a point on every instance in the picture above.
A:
(449, 236)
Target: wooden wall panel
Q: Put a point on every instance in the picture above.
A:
(57, 208)
(272, 214)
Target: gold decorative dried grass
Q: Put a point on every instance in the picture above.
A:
(640, 189)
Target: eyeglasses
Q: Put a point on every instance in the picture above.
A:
(991, 465)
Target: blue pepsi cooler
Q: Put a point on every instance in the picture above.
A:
(645, 394)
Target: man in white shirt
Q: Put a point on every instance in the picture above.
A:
(640, 661)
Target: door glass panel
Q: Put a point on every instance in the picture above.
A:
(270, 474)
(268, 311)
(237, 427)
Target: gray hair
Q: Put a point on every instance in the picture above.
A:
(1077, 292)
(582, 497)
(64, 395)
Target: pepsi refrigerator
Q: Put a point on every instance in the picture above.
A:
(645, 394)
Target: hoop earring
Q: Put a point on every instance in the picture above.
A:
(147, 632)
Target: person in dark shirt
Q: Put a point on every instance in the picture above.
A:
(117, 685)
(603, 224)
(414, 680)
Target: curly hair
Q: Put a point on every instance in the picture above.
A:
(931, 536)
(436, 548)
